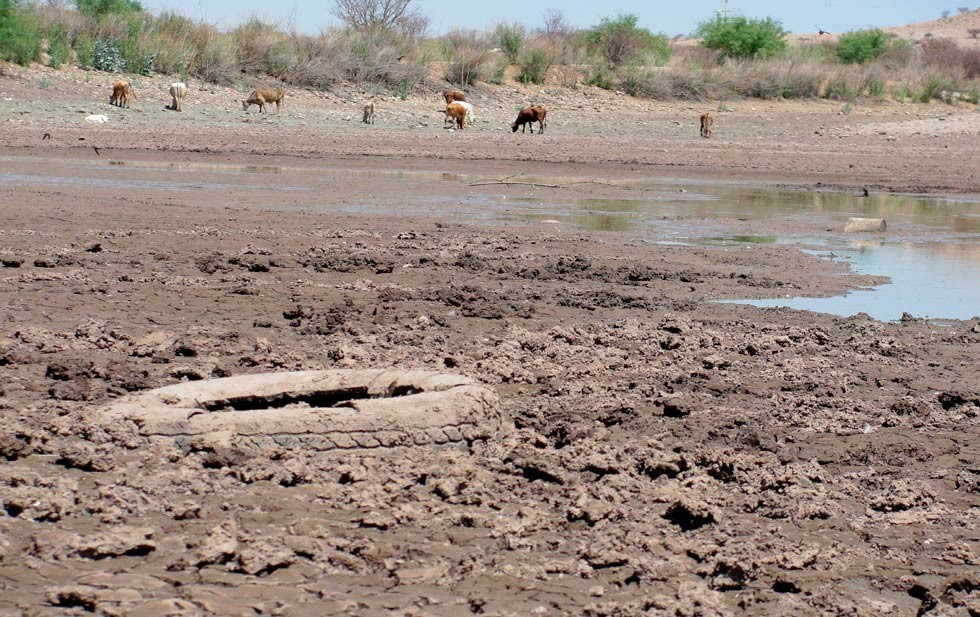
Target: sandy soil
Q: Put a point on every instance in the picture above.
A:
(669, 454)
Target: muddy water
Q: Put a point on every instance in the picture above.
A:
(930, 253)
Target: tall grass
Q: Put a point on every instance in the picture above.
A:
(469, 55)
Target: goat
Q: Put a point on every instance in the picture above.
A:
(706, 123)
(122, 91)
(178, 91)
(369, 113)
(470, 118)
(530, 115)
(453, 95)
(262, 96)
(458, 113)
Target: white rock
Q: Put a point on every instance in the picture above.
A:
(97, 119)
(859, 224)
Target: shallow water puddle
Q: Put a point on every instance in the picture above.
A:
(934, 281)
(930, 253)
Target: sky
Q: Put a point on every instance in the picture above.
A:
(668, 16)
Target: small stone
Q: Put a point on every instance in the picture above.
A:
(856, 224)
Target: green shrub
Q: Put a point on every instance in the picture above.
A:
(839, 87)
(901, 92)
(641, 82)
(469, 56)
(738, 37)
(106, 55)
(101, 8)
(930, 90)
(861, 46)
(404, 89)
(279, 60)
(84, 51)
(498, 72)
(509, 38)
(621, 41)
(534, 65)
(876, 86)
(20, 34)
(58, 48)
(135, 57)
(600, 76)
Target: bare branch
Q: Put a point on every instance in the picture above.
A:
(379, 15)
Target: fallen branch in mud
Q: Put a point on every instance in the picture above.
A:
(507, 181)
(513, 183)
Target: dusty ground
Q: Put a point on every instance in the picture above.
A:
(670, 455)
(957, 26)
(886, 146)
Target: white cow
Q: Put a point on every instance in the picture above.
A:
(470, 118)
(178, 91)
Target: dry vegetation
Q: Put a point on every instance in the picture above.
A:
(392, 53)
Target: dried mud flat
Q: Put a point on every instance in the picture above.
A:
(669, 455)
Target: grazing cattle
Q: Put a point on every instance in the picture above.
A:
(122, 91)
(470, 118)
(369, 113)
(458, 113)
(263, 96)
(178, 91)
(453, 95)
(530, 115)
(706, 123)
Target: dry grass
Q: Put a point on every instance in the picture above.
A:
(469, 57)
(400, 60)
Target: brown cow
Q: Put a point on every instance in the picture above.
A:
(707, 122)
(530, 115)
(453, 95)
(262, 96)
(122, 91)
(458, 113)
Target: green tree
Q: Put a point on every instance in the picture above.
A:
(20, 35)
(739, 37)
(509, 38)
(861, 46)
(100, 8)
(621, 41)
(534, 65)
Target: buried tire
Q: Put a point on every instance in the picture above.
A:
(317, 410)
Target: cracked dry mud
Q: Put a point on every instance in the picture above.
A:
(670, 456)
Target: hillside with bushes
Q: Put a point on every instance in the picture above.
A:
(733, 57)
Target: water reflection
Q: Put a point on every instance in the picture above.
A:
(934, 281)
(931, 253)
